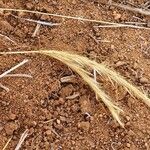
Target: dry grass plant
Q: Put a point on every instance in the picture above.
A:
(81, 65)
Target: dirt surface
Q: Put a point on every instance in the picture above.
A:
(43, 104)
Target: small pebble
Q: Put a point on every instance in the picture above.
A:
(143, 80)
(48, 132)
(58, 121)
(21, 14)
(10, 128)
(84, 126)
(29, 5)
(116, 15)
(128, 118)
(63, 118)
(1, 12)
(131, 133)
(112, 47)
(128, 145)
(12, 116)
(120, 63)
(1, 127)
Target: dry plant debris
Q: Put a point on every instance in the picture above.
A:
(104, 23)
(22, 139)
(7, 38)
(81, 65)
(131, 8)
(39, 23)
(7, 73)
(7, 143)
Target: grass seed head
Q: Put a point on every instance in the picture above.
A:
(81, 66)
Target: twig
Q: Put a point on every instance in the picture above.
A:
(6, 37)
(22, 138)
(74, 18)
(133, 9)
(7, 143)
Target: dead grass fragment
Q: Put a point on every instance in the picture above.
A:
(7, 38)
(6, 145)
(22, 139)
(4, 87)
(7, 74)
(67, 79)
(131, 8)
(75, 95)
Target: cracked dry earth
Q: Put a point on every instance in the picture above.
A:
(66, 115)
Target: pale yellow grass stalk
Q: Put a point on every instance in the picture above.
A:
(6, 145)
(81, 64)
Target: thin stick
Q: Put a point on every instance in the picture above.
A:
(7, 143)
(6, 37)
(133, 9)
(22, 138)
(13, 68)
(69, 17)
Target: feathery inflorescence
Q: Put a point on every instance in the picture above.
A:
(81, 65)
